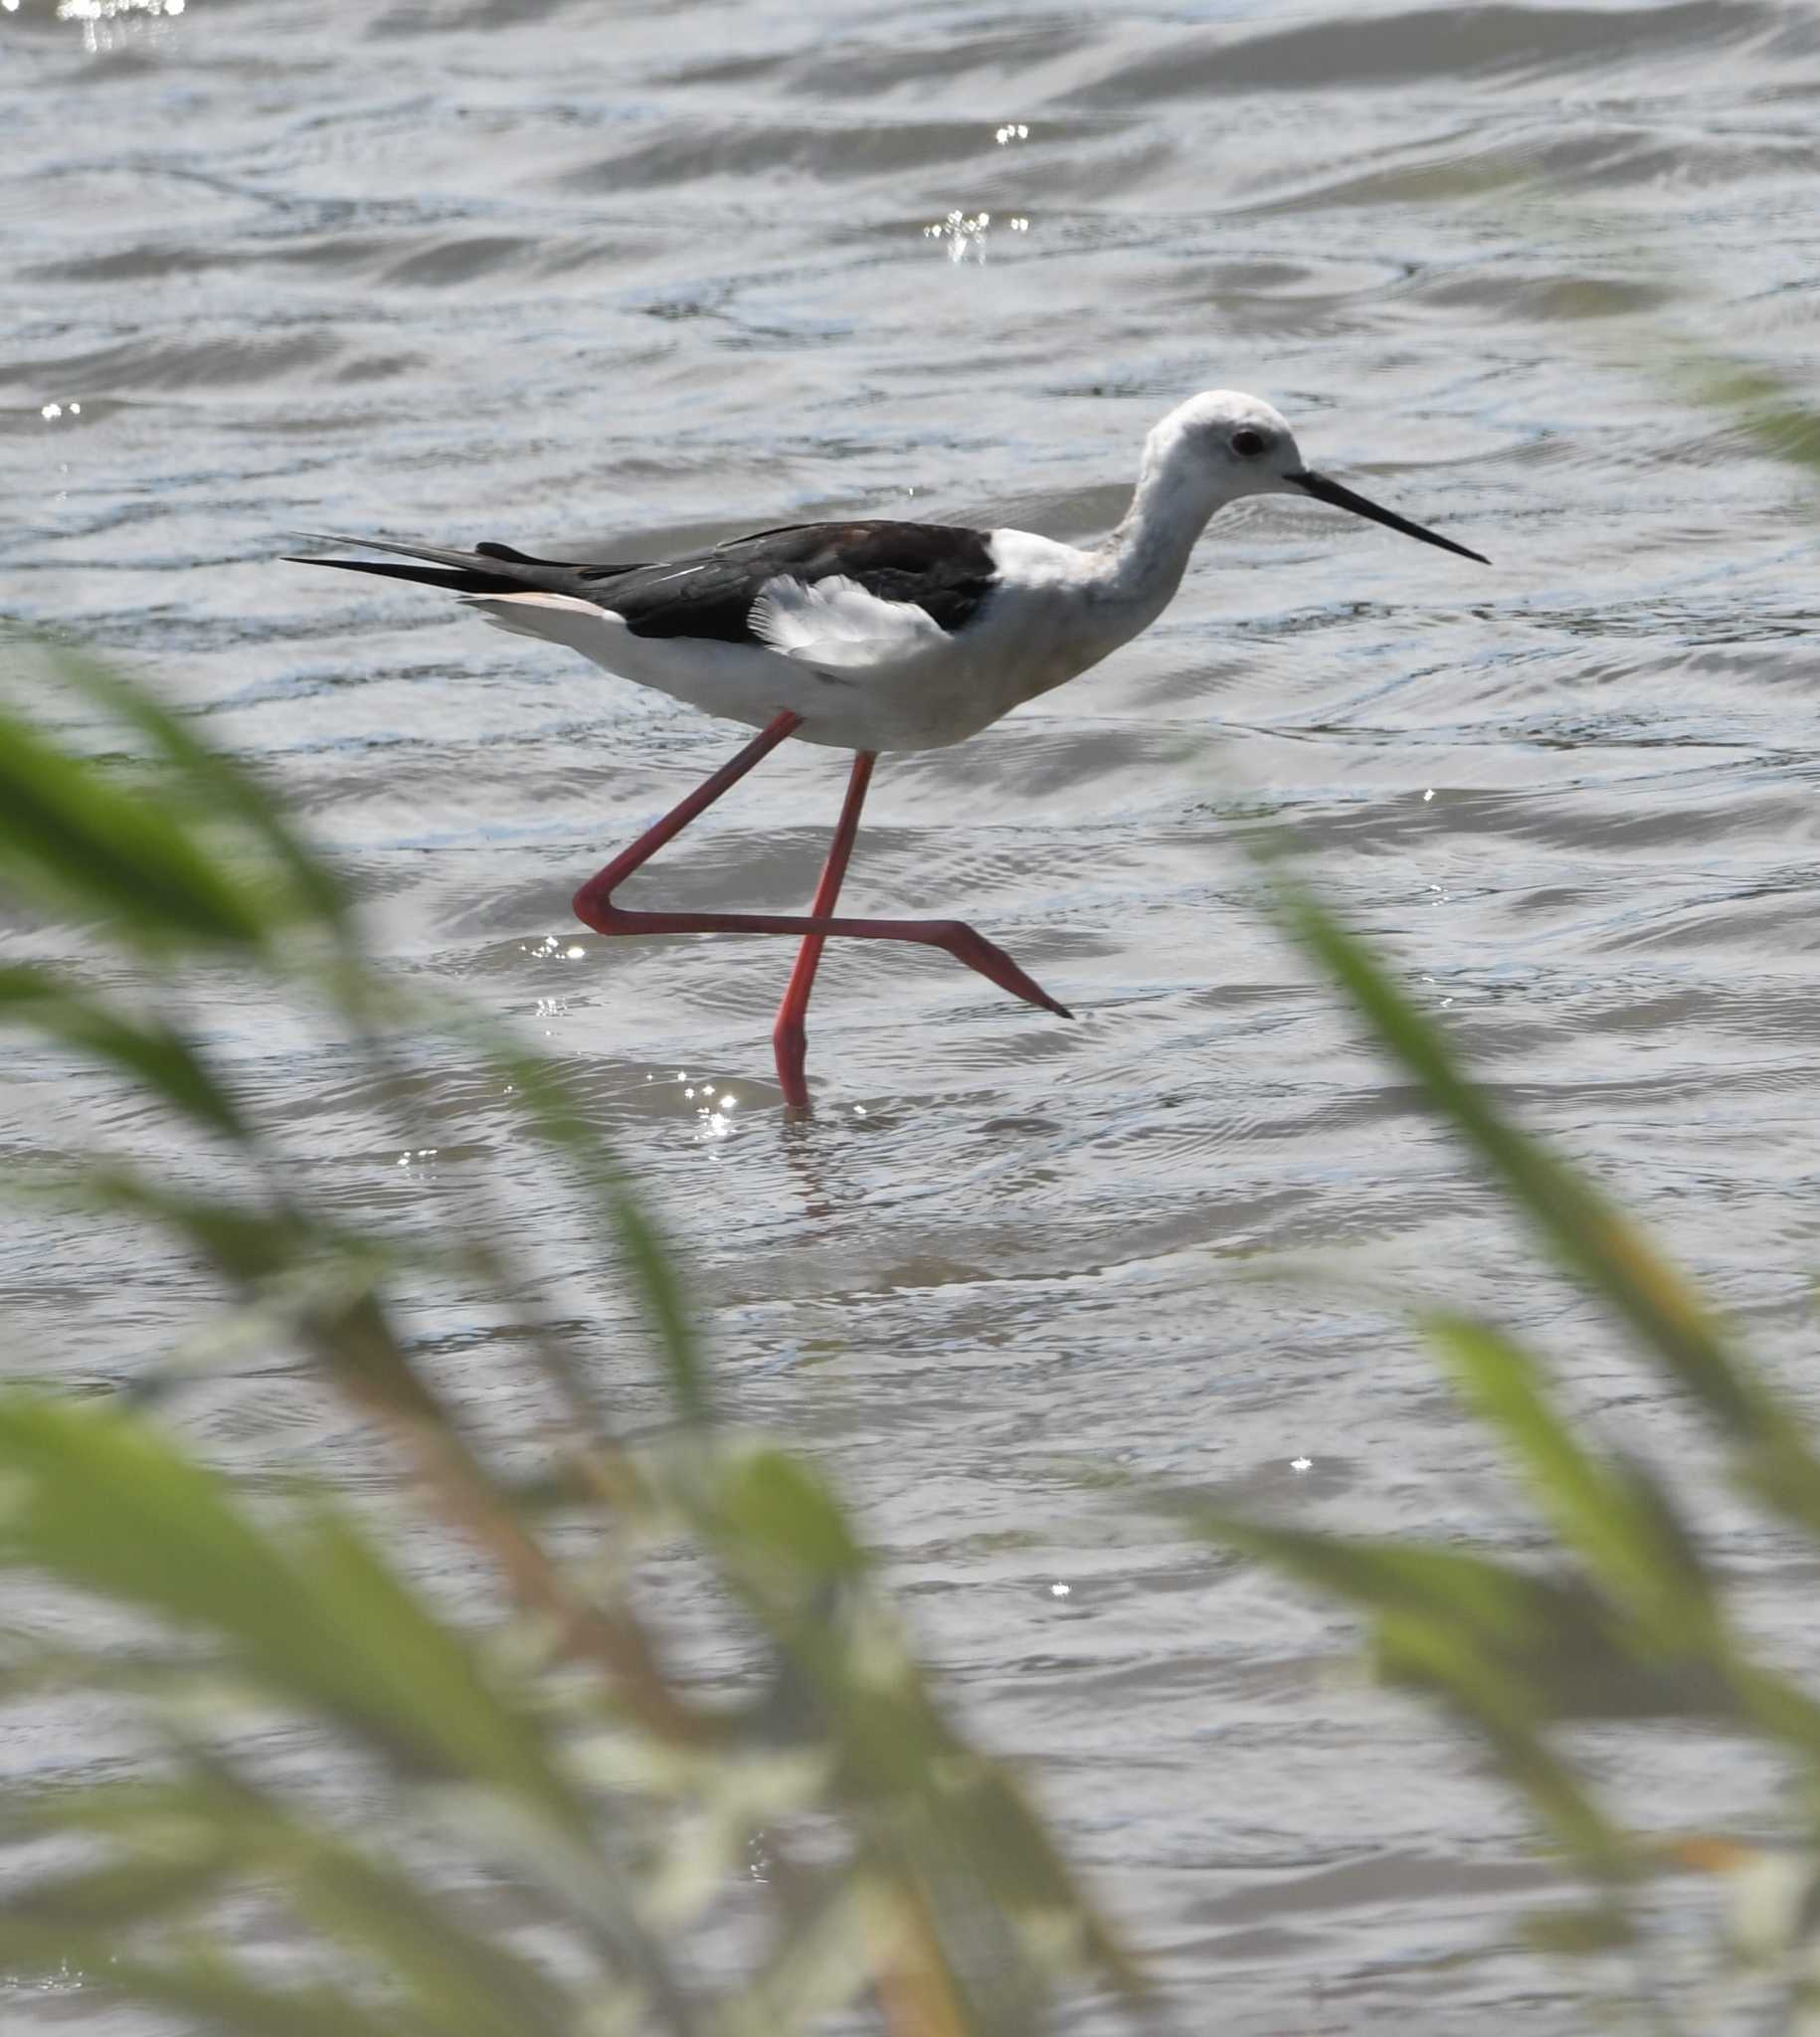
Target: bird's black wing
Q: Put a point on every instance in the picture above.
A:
(946, 570)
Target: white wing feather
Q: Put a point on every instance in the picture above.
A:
(837, 623)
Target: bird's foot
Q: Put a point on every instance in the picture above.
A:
(990, 961)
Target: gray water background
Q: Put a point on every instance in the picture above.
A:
(568, 274)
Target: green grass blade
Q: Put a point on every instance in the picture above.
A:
(1615, 1516)
(153, 1055)
(243, 1242)
(1511, 1721)
(1601, 1247)
(179, 1842)
(215, 1993)
(73, 837)
(105, 1503)
(219, 782)
(1763, 403)
(461, 1977)
(124, 1893)
(557, 1116)
(966, 1859)
(421, 1670)
(955, 1903)
(1482, 1636)
(769, 1510)
(654, 1272)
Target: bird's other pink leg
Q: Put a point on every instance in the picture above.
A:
(593, 903)
(788, 1036)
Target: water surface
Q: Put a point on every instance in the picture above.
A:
(577, 273)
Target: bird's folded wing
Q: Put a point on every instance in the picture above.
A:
(837, 623)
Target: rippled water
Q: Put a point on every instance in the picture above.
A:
(565, 272)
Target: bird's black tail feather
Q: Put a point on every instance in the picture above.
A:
(487, 569)
(455, 581)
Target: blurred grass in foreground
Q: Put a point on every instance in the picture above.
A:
(549, 1754)
(1623, 1619)
(515, 1824)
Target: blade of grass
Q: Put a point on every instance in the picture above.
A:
(105, 1503)
(1598, 1244)
(557, 1117)
(1617, 1517)
(160, 1060)
(938, 1817)
(73, 837)
(463, 1980)
(178, 1842)
(124, 1893)
(1762, 403)
(223, 784)
(359, 1351)
(216, 1993)
(1465, 1628)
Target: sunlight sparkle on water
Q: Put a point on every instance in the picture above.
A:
(963, 233)
(111, 10)
(713, 1115)
(104, 21)
(714, 1107)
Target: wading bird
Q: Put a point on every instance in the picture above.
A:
(875, 636)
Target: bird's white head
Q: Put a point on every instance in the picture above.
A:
(1227, 444)
(1221, 445)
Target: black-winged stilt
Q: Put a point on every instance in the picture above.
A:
(875, 636)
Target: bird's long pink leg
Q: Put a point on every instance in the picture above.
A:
(788, 1036)
(595, 909)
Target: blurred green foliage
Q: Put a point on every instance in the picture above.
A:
(538, 1824)
(1625, 1617)
(519, 1818)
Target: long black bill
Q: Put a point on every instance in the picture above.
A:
(1325, 491)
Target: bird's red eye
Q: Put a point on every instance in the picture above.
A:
(1246, 443)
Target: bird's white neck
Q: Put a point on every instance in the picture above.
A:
(1142, 562)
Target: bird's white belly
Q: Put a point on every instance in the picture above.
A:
(951, 690)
